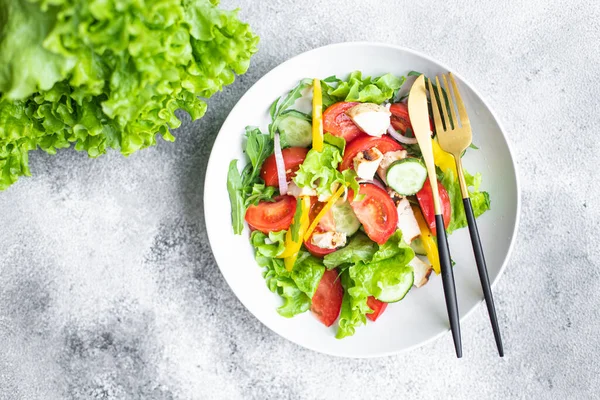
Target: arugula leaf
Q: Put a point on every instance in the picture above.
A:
(480, 200)
(279, 106)
(234, 188)
(258, 147)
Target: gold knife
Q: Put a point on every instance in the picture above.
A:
(419, 119)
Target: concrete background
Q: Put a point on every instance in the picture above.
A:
(108, 289)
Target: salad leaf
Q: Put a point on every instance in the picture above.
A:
(367, 89)
(279, 105)
(354, 307)
(234, 188)
(319, 170)
(372, 267)
(480, 200)
(279, 281)
(360, 248)
(270, 245)
(297, 287)
(295, 226)
(260, 192)
(106, 74)
(336, 141)
(258, 147)
(307, 274)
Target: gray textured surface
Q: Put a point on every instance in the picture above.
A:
(108, 288)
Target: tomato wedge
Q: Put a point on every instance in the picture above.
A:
(272, 216)
(377, 306)
(327, 301)
(336, 122)
(293, 157)
(425, 197)
(326, 224)
(366, 142)
(400, 119)
(376, 212)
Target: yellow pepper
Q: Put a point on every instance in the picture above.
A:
(427, 239)
(317, 116)
(292, 247)
(442, 159)
(324, 210)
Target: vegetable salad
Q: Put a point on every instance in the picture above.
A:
(337, 199)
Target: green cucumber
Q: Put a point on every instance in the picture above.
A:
(295, 129)
(417, 246)
(344, 218)
(392, 294)
(406, 176)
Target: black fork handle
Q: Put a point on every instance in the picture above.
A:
(448, 283)
(483, 273)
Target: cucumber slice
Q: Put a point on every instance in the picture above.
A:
(406, 176)
(417, 246)
(392, 294)
(344, 218)
(295, 129)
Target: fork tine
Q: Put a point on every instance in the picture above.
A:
(449, 93)
(464, 118)
(437, 119)
(442, 103)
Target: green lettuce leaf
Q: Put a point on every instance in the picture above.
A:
(101, 75)
(369, 270)
(480, 200)
(360, 248)
(270, 245)
(319, 171)
(362, 89)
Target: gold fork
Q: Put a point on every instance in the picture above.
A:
(455, 139)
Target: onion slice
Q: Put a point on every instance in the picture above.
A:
(399, 137)
(283, 186)
(375, 182)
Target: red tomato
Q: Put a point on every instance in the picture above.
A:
(325, 224)
(376, 212)
(400, 119)
(425, 197)
(336, 122)
(365, 142)
(292, 158)
(272, 216)
(377, 306)
(327, 301)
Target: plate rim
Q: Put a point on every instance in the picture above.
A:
(514, 233)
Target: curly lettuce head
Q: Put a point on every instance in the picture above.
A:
(109, 73)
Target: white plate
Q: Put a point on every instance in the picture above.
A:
(421, 316)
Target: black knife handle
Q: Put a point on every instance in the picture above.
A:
(448, 283)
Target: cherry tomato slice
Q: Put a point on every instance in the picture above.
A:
(377, 306)
(293, 157)
(366, 142)
(272, 216)
(376, 212)
(336, 122)
(425, 197)
(327, 301)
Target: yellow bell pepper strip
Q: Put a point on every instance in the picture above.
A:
(427, 239)
(442, 159)
(292, 247)
(317, 116)
(338, 193)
